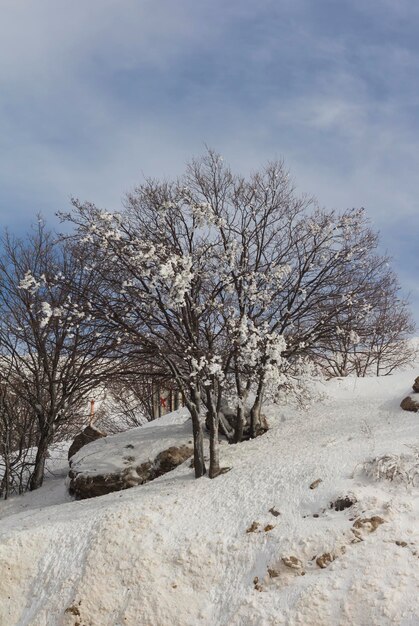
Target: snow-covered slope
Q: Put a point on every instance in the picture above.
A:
(175, 552)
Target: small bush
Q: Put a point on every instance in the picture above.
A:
(397, 468)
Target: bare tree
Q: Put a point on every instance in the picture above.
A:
(375, 342)
(291, 273)
(56, 353)
(135, 398)
(18, 436)
(228, 283)
(151, 295)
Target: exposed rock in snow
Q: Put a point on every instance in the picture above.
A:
(325, 559)
(90, 486)
(129, 459)
(370, 524)
(410, 403)
(315, 483)
(89, 434)
(169, 459)
(292, 561)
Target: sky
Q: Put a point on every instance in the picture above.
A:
(97, 94)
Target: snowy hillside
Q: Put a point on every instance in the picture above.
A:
(184, 552)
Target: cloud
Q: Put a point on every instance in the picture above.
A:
(95, 94)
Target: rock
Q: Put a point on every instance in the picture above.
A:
(416, 385)
(370, 524)
(325, 559)
(169, 459)
(228, 419)
(145, 472)
(273, 573)
(274, 512)
(357, 535)
(292, 562)
(89, 434)
(74, 610)
(316, 483)
(268, 528)
(253, 527)
(90, 486)
(410, 403)
(84, 487)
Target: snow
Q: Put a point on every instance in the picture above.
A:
(175, 552)
(29, 283)
(47, 313)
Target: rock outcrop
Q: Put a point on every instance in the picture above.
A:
(410, 403)
(169, 459)
(89, 434)
(84, 485)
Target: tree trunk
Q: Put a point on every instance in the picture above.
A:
(239, 426)
(192, 400)
(5, 454)
(240, 416)
(214, 468)
(37, 477)
(5, 482)
(255, 411)
(198, 434)
(238, 432)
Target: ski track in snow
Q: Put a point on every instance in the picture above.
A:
(175, 552)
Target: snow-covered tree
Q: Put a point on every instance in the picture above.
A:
(229, 283)
(54, 353)
(375, 340)
(157, 291)
(291, 271)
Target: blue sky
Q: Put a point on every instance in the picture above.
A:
(95, 94)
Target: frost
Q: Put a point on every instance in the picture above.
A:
(29, 283)
(47, 311)
(47, 314)
(205, 215)
(354, 337)
(167, 270)
(398, 468)
(178, 274)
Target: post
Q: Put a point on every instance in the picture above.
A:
(92, 411)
